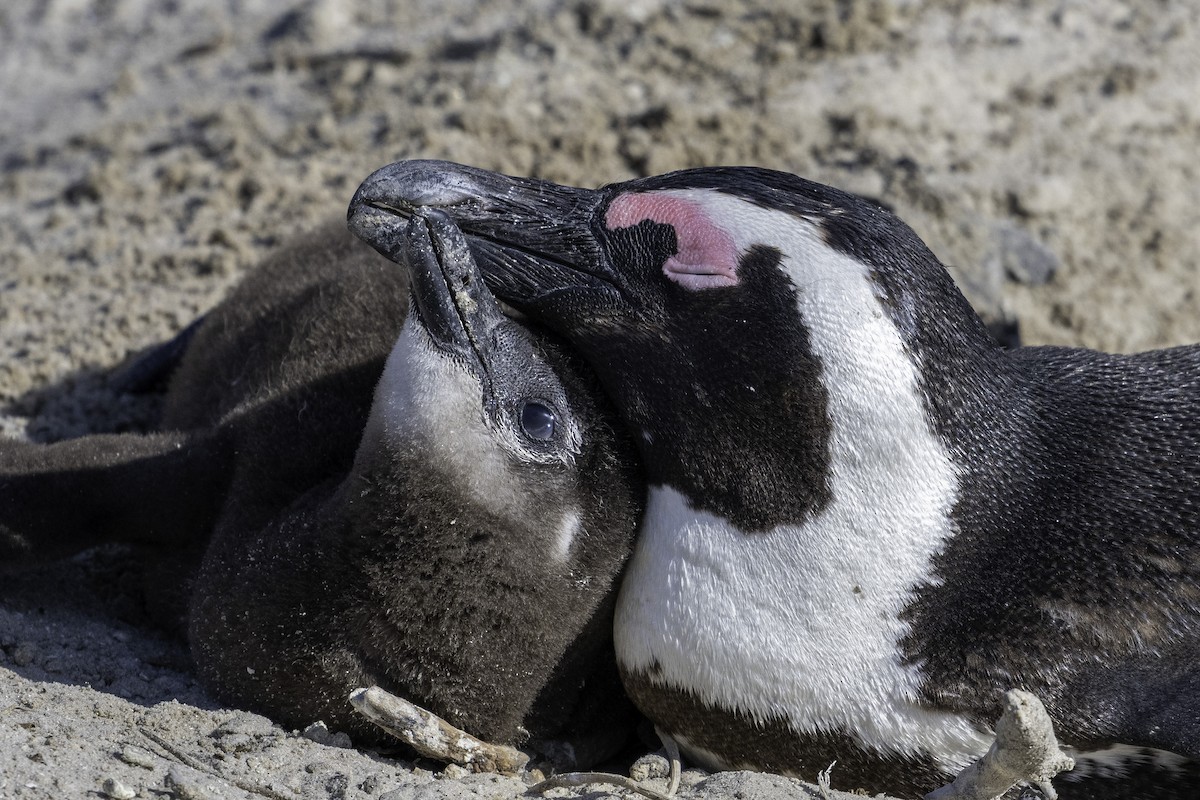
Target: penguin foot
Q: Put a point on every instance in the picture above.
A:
(1025, 751)
(434, 737)
(576, 779)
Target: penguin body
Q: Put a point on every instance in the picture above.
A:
(865, 521)
(431, 499)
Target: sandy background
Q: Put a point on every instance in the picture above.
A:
(152, 150)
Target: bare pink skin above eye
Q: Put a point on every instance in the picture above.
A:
(707, 258)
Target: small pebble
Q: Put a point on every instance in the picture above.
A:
(245, 724)
(24, 654)
(117, 790)
(236, 742)
(652, 765)
(320, 733)
(137, 757)
(1022, 257)
(188, 784)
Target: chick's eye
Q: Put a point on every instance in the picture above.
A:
(538, 421)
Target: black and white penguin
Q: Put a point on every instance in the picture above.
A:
(431, 498)
(865, 521)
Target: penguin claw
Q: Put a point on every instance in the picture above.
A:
(434, 737)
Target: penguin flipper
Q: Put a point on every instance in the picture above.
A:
(151, 369)
(57, 499)
(1150, 701)
(1172, 718)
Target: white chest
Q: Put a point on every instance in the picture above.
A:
(799, 623)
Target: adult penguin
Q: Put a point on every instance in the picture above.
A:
(426, 496)
(866, 521)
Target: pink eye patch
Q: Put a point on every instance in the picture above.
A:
(707, 257)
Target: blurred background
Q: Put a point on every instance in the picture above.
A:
(153, 150)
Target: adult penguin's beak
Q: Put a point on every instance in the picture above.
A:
(536, 242)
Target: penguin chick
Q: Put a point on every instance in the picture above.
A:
(865, 521)
(425, 496)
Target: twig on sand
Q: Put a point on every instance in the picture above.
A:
(672, 747)
(432, 736)
(823, 781)
(174, 776)
(1025, 751)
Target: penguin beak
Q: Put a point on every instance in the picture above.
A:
(534, 240)
(452, 300)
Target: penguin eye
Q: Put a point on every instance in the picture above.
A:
(538, 421)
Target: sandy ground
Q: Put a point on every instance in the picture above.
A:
(152, 150)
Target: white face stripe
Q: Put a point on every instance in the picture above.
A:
(802, 622)
(426, 402)
(568, 529)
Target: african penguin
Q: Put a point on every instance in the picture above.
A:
(427, 496)
(865, 521)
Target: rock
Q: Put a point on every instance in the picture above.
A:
(1021, 257)
(115, 789)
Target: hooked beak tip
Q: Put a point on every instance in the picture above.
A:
(406, 185)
